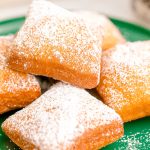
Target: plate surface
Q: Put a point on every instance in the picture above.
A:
(137, 133)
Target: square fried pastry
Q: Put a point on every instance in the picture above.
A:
(111, 35)
(125, 79)
(57, 43)
(64, 118)
(16, 89)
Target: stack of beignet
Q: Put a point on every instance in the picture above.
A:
(67, 46)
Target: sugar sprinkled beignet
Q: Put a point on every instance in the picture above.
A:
(57, 43)
(95, 27)
(64, 118)
(111, 35)
(125, 79)
(16, 89)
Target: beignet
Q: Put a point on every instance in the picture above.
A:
(16, 89)
(64, 118)
(57, 43)
(125, 80)
(111, 35)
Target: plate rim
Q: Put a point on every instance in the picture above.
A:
(113, 19)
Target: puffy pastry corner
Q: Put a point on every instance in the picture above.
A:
(100, 24)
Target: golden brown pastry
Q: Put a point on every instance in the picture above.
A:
(16, 89)
(125, 80)
(64, 118)
(111, 35)
(57, 43)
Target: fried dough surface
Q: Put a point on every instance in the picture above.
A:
(125, 79)
(64, 118)
(57, 43)
(16, 89)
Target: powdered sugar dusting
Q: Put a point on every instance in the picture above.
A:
(53, 33)
(95, 22)
(101, 26)
(139, 53)
(125, 75)
(60, 116)
(135, 141)
(14, 84)
(5, 42)
(23, 80)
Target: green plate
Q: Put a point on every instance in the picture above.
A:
(137, 133)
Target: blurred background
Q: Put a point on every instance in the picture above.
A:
(137, 11)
